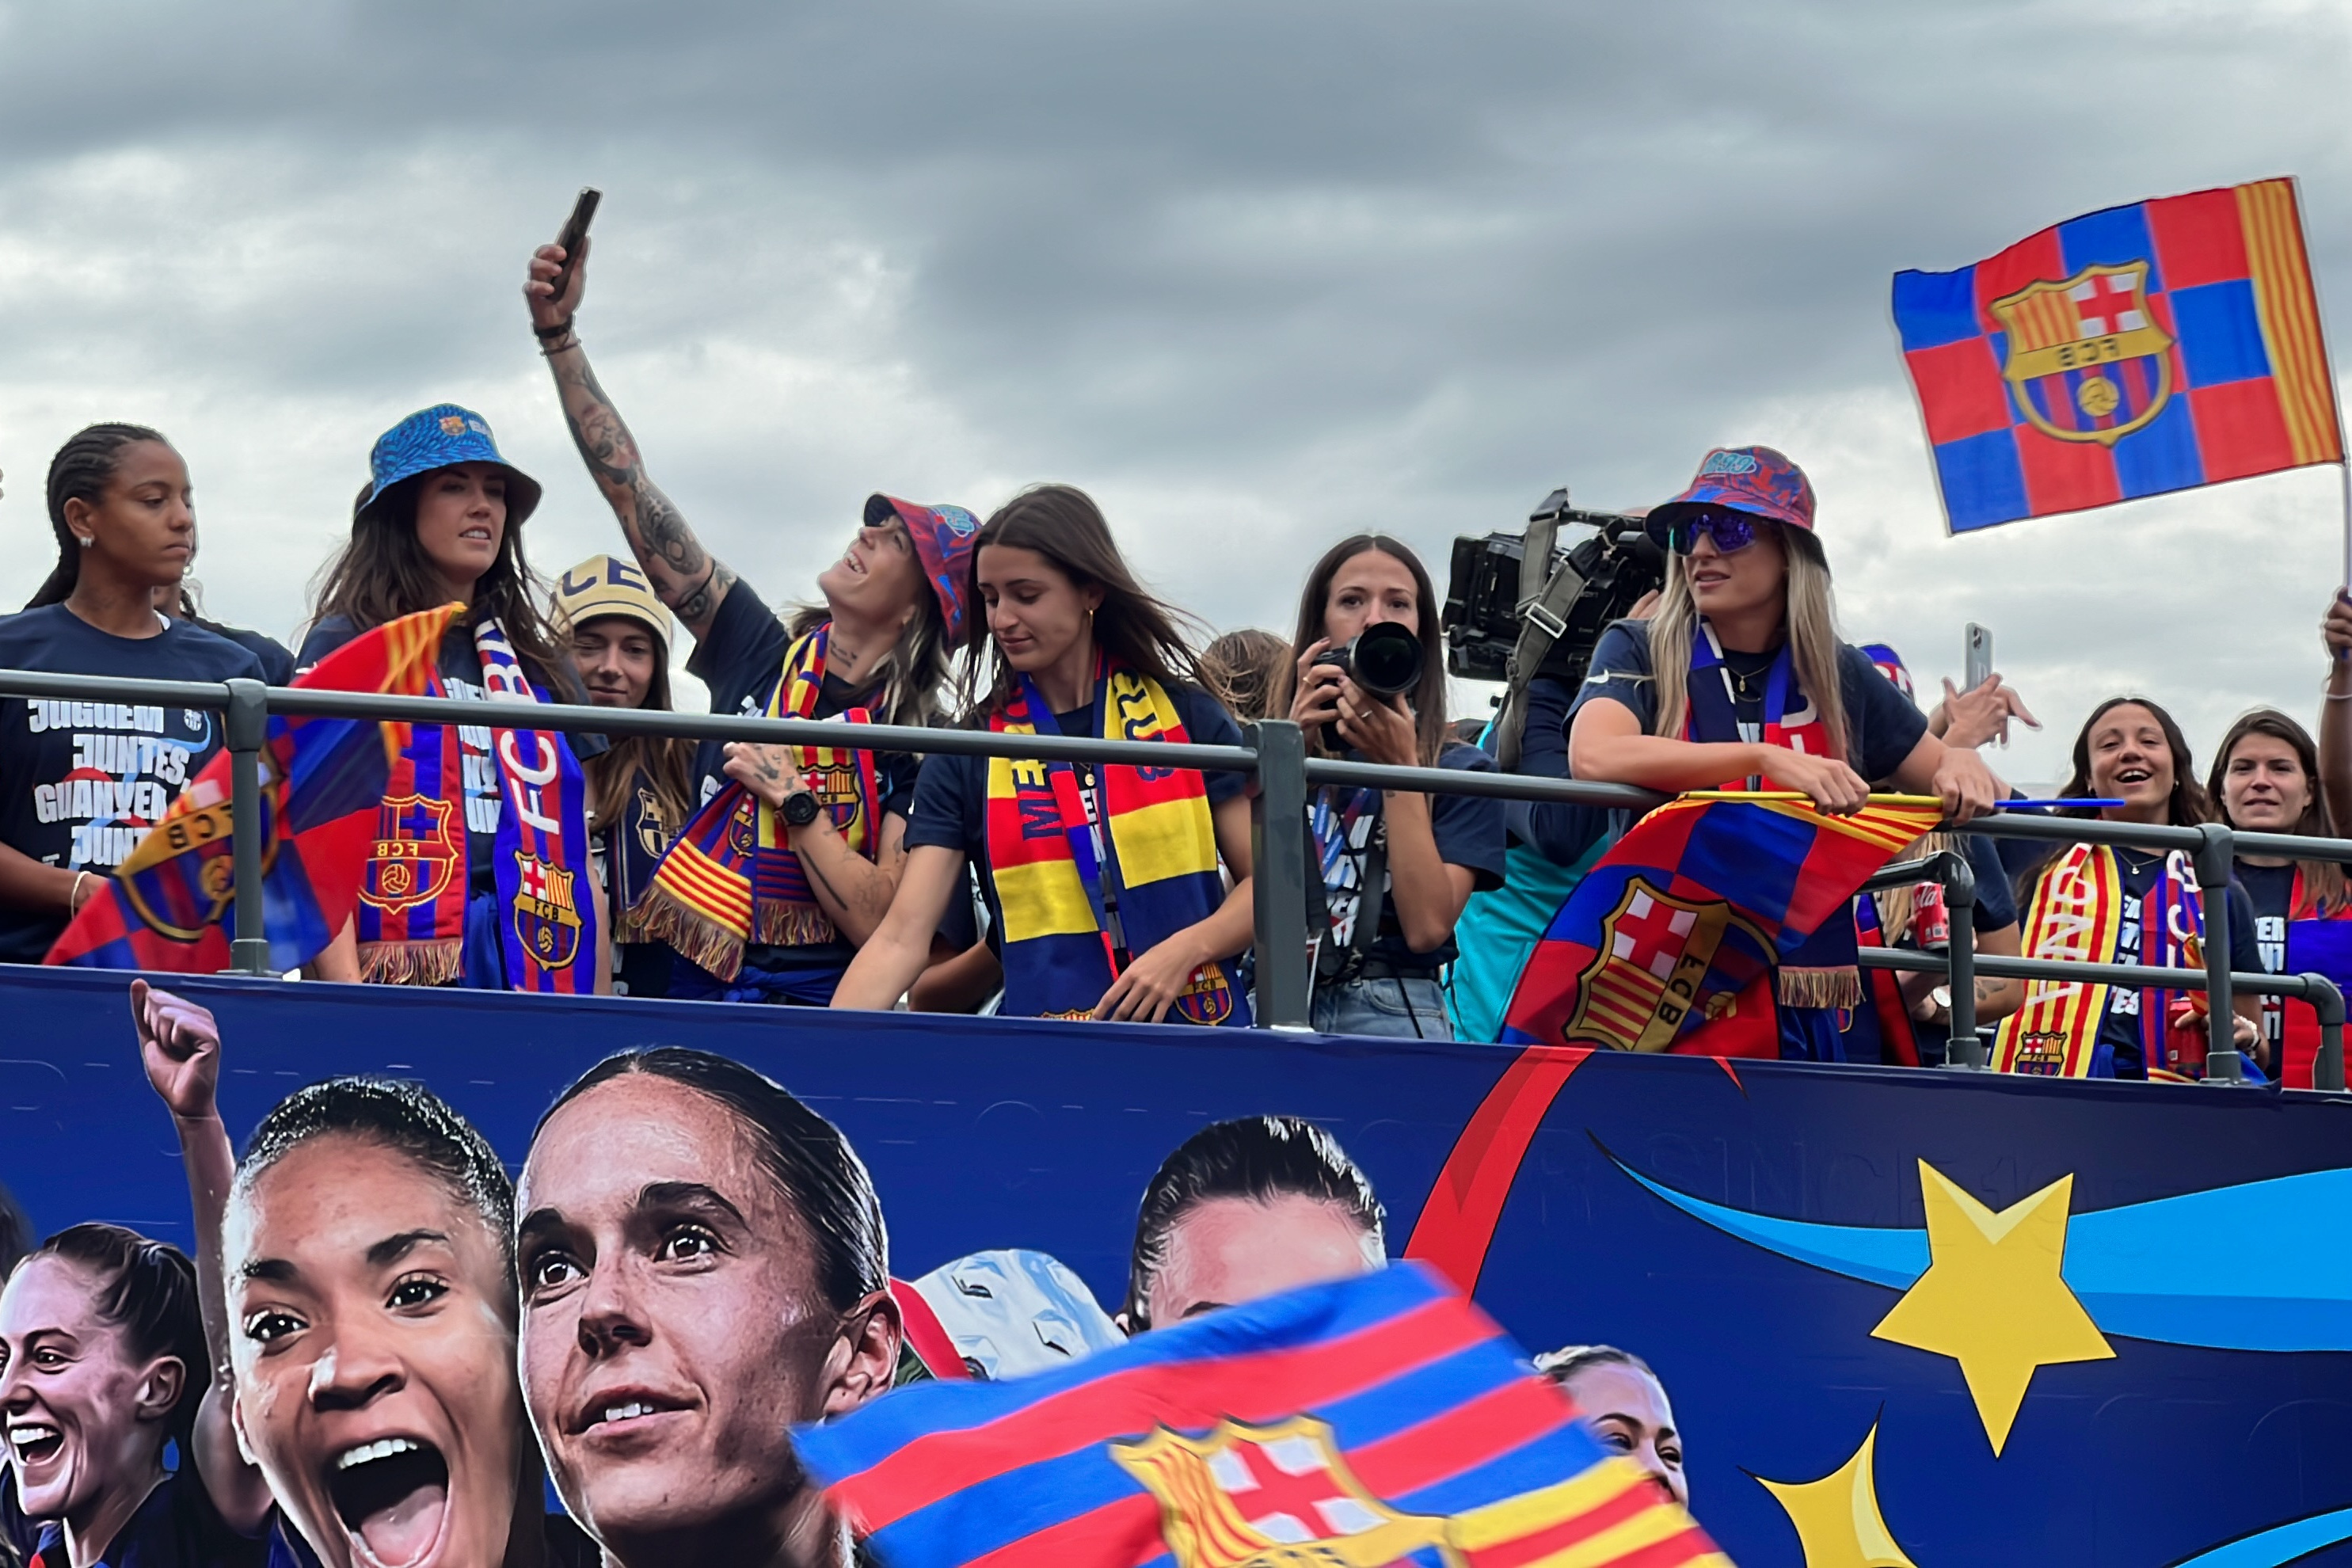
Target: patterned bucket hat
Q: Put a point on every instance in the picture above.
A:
(943, 536)
(1755, 479)
(438, 437)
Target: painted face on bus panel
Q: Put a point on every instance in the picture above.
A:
(1628, 1412)
(461, 517)
(2264, 785)
(616, 657)
(371, 1331)
(880, 578)
(83, 1416)
(145, 522)
(1226, 1251)
(2130, 760)
(1034, 611)
(1746, 579)
(672, 1326)
(1369, 587)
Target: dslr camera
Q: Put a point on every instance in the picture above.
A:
(1506, 622)
(1383, 659)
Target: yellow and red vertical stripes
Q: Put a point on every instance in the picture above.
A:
(2280, 268)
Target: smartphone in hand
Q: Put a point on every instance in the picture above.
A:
(1979, 657)
(575, 234)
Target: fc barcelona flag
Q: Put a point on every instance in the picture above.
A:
(172, 906)
(1696, 904)
(1379, 1420)
(2154, 347)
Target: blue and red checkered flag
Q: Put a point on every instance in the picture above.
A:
(1380, 1419)
(1696, 905)
(2154, 347)
(172, 905)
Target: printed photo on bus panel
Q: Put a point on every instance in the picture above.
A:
(703, 1264)
(1246, 1209)
(367, 1259)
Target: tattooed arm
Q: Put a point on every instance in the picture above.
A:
(854, 892)
(684, 576)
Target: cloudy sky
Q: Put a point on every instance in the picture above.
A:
(1256, 275)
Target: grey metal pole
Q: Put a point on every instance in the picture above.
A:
(1963, 1050)
(1278, 867)
(2215, 858)
(2327, 1073)
(247, 726)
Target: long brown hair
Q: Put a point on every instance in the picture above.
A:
(666, 761)
(1428, 700)
(382, 573)
(1244, 670)
(2187, 806)
(1808, 619)
(2323, 881)
(1062, 523)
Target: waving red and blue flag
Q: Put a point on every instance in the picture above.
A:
(172, 905)
(1383, 1419)
(2159, 346)
(1667, 943)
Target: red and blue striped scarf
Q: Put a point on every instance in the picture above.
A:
(411, 925)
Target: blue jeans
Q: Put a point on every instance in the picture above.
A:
(1392, 1007)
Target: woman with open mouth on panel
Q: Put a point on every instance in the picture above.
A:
(103, 1367)
(368, 1283)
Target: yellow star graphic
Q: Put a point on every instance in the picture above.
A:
(1837, 1518)
(1992, 1299)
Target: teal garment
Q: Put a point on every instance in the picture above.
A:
(1498, 929)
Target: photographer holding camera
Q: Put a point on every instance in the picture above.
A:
(1396, 865)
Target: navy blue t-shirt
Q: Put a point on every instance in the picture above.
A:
(176, 1527)
(1469, 831)
(1560, 832)
(80, 783)
(276, 664)
(739, 659)
(1882, 725)
(460, 664)
(950, 804)
(2271, 892)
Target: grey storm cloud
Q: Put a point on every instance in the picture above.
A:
(1256, 275)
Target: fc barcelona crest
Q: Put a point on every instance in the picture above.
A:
(546, 920)
(2087, 359)
(415, 854)
(1207, 997)
(1645, 979)
(1270, 1497)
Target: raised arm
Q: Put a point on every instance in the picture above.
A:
(2335, 714)
(684, 576)
(179, 1042)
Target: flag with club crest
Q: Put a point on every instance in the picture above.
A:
(172, 905)
(2153, 347)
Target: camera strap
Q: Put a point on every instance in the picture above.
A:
(1543, 619)
(1334, 962)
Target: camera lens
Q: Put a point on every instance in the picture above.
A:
(1386, 660)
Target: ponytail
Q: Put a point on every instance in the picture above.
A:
(80, 471)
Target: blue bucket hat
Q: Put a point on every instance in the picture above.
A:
(442, 436)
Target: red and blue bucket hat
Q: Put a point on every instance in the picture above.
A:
(943, 536)
(442, 436)
(1753, 479)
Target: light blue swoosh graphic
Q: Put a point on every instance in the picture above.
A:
(2264, 1265)
(2279, 1544)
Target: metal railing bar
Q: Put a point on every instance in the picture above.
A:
(1456, 781)
(2138, 976)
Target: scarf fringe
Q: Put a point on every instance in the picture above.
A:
(703, 941)
(1839, 987)
(784, 924)
(412, 963)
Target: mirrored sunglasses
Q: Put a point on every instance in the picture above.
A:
(1731, 530)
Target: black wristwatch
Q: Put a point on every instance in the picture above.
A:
(801, 807)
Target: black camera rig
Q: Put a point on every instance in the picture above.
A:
(1500, 625)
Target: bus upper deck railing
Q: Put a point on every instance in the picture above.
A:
(1274, 754)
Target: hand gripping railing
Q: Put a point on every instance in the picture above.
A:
(1273, 752)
